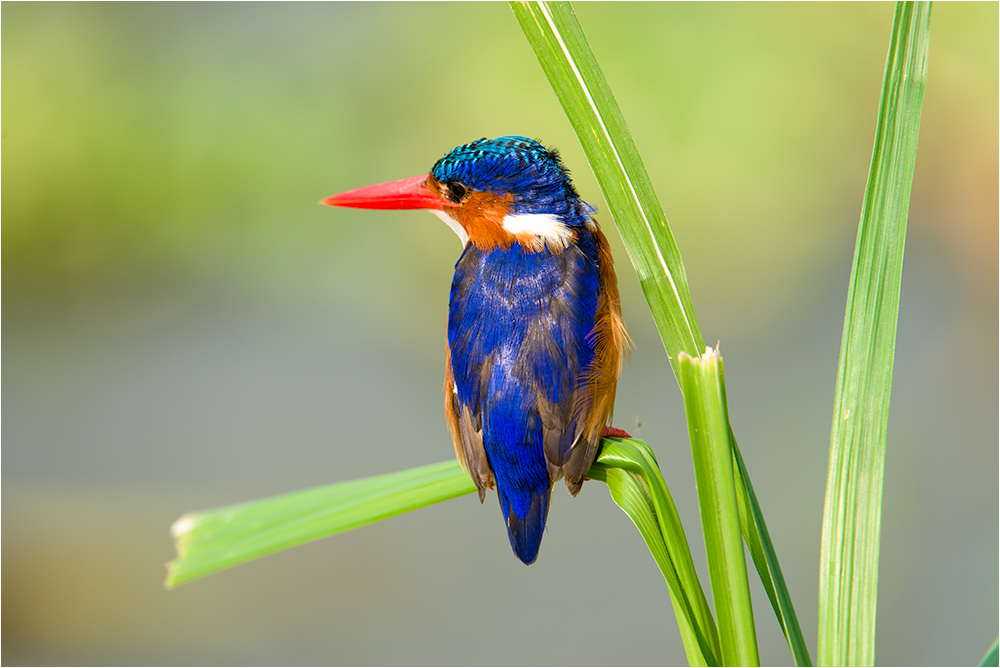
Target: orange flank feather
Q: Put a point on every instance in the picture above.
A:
(596, 401)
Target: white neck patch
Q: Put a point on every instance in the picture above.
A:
(545, 227)
(455, 226)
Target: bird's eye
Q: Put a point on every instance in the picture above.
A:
(456, 192)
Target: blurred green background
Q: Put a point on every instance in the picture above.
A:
(184, 326)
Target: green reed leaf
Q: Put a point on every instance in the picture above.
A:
(992, 656)
(765, 560)
(708, 426)
(565, 56)
(629, 468)
(213, 540)
(853, 504)
(572, 69)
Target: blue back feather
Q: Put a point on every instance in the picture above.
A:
(519, 325)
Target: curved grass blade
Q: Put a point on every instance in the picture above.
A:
(765, 560)
(853, 504)
(633, 477)
(213, 540)
(712, 453)
(992, 656)
(572, 69)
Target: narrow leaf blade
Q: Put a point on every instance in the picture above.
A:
(213, 540)
(629, 468)
(765, 559)
(853, 503)
(992, 656)
(572, 69)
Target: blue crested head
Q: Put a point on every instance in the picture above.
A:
(532, 175)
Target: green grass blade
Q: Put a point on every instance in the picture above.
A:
(708, 425)
(572, 69)
(992, 656)
(213, 540)
(852, 509)
(765, 559)
(570, 65)
(633, 477)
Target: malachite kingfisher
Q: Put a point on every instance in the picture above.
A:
(535, 333)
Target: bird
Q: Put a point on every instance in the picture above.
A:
(535, 336)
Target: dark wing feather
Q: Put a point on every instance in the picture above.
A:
(466, 427)
(470, 430)
(557, 429)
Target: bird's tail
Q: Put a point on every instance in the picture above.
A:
(525, 533)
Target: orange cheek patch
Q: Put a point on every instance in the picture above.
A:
(482, 214)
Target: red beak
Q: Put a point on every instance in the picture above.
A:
(411, 193)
